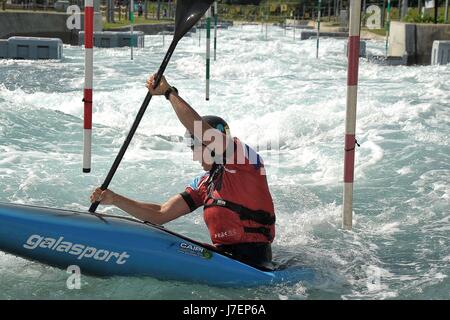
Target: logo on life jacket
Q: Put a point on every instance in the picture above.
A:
(225, 234)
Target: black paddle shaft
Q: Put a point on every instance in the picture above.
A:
(135, 125)
(188, 12)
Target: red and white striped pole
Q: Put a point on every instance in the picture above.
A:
(350, 120)
(88, 77)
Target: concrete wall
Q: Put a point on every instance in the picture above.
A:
(297, 22)
(41, 24)
(397, 43)
(326, 27)
(308, 34)
(415, 40)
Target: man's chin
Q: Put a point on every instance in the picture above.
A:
(206, 167)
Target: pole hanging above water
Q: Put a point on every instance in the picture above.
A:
(199, 34)
(216, 14)
(388, 25)
(267, 18)
(131, 26)
(318, 28)
(350, 120)
(295, 23)
(261, 14)
(88, 79)
(208, 49)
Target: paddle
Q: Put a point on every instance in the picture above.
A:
(188, 12)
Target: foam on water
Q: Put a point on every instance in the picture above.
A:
(275, 95)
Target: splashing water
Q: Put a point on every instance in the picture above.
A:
(272, 90)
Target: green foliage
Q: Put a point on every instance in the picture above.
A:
(415, 17)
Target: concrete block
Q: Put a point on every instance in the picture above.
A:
(307, 34)
(416, 40)
(440, 53)
(114, 39)
(3, 49)
(34, 48)
(362, 48)
(124, 39)
(106, 39)
(297, 22)
(102, 39)
(388, 61)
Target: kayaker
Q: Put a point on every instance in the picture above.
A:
(233, 190)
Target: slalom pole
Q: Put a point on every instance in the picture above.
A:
(262, 20)
(318, 28)
(88, 79)
(350, 120)
(208, 49)
(199, 34)
(215, 28)
(131, 26)
(388, 24)
(267, 18)
(295, 23)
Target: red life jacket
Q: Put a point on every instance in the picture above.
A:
(238, 206)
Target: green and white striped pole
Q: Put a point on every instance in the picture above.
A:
(261, 14)
(388, 23)
(216, 14)
(131, 26)
(318, 28)
(295, 23)
(199, 34)
(267, 18)
(208, 49)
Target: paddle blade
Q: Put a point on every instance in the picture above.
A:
(188, 12)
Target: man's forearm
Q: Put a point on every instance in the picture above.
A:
(188, 117)
(185, 113)
(143, 211)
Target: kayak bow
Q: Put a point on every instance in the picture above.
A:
(105, 245)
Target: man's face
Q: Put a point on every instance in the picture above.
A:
(201, 154)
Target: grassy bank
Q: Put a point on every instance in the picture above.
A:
(379, 32)
(138, 20)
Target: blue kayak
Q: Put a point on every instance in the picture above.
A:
(105, 245)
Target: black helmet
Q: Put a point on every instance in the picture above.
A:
(215, 122)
